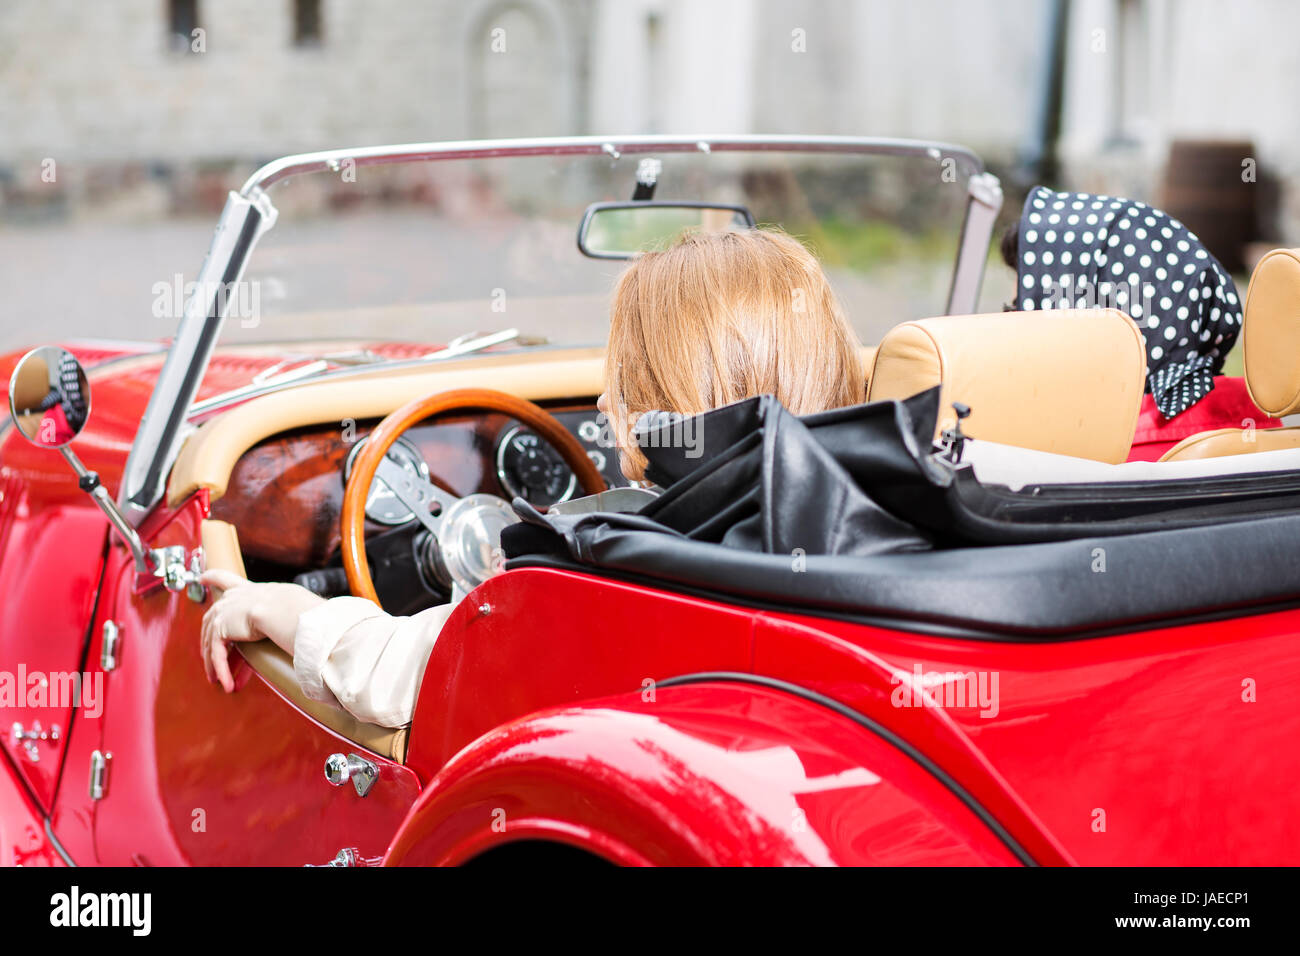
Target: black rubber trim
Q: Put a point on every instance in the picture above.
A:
(54, 841)
(773, 683)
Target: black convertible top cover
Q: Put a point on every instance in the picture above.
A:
(850, 513)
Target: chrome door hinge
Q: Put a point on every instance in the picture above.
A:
(27, 738)
(99, 774)
(112, 644)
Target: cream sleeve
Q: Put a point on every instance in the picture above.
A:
(350, 649)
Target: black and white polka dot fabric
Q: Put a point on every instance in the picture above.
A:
(1078, 250)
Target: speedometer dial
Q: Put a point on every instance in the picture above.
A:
(381, 504)
(530, 468)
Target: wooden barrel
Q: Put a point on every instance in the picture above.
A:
(1204, 187)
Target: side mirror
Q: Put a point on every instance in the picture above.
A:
(49, 399)
(622, 230)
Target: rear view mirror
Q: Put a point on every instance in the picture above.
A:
(49, 397)
(622, 230)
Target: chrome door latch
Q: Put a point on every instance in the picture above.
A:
(27, 738)
(340, 768)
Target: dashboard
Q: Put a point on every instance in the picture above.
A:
(285, 495)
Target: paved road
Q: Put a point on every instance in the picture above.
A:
(386, 275)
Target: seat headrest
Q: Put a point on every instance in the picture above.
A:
(1068, 381)
(1271, 329)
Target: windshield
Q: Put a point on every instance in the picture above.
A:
(433, 250)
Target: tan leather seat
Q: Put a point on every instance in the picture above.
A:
(1068, 382)
(1271, 337)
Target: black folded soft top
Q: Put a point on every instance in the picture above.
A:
(849, 513)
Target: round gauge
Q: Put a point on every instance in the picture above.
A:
(530, 468)
(381, 504)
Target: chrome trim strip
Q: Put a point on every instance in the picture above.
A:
(277, 383)
(54, 842)
(133, 348)
(615, 146)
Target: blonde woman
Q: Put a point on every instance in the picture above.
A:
(714, 319)
(719, 317)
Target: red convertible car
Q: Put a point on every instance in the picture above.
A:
(954, 625)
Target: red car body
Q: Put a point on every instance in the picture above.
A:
(633, 724)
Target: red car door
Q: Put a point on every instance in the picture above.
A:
(198, 776)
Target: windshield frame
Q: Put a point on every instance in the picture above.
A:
(249, 213)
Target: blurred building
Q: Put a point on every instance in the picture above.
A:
(128, 93)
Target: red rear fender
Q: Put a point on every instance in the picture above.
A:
(714, 773)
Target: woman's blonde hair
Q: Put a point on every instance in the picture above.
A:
(719, 317)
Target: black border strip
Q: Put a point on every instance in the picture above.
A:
(54, 842)
(773, 683)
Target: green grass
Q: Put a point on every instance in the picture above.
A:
(1233, 362)
(865, 245)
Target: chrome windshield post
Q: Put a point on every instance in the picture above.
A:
(983, 203)
(245, 217)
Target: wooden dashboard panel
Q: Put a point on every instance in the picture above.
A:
(285, 494)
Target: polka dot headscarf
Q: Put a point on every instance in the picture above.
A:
(1077, 250)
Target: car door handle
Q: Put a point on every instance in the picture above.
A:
(340, 768)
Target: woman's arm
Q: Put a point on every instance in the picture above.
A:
(370, 661)
(345, 648)
(245, 611)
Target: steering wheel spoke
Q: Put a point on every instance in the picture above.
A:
(415, 494)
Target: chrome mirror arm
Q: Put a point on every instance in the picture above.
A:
(166, 565)
(147, 560)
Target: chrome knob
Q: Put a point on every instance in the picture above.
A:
(177, 577)
(349, 856)
(340, 768)
(19, 736)
(337, 770)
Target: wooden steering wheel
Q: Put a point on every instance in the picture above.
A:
(395, 425)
